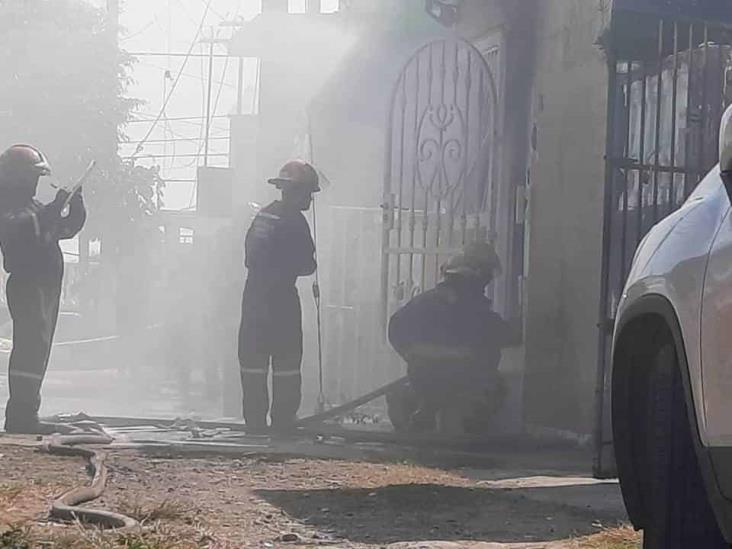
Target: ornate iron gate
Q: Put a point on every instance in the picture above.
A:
(666, 96)
(440, 179)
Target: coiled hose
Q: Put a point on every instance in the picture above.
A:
(66, 507)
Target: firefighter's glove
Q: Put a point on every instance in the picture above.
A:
(58, 203)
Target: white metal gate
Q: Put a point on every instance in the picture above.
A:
(440, 186)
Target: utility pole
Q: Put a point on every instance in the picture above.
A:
(208, 98)
(240, 87)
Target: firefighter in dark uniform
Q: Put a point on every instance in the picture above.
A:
(279, 248)
(29, 238)
(451, 339)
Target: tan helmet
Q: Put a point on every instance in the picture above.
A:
(477, 260)
(297, 173)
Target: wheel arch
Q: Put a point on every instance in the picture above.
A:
(654, 315)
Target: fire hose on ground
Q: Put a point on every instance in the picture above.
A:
(352, 405)
(67, 506)
(85, 432)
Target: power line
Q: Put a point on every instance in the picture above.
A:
(216, 130)
(175, 82)
(177, 54)
(202, 126)
(190, 123)
(185, 11)
(169, 136)
(186, 74)
(192, 155)
(219, 15)
(208, 96)
(215, 106)
(176, 140)
(219, 134)
(167, 128)
(216, 102)
(138, 32)
(201, 129)
(175, 118)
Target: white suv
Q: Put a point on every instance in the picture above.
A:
(672, 371)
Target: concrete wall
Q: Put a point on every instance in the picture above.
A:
(565, 216)
(552, 76)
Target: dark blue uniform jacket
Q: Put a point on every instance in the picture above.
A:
(448, 318)
(279, 249)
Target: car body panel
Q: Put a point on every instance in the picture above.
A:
(671, 262)
(716, 339)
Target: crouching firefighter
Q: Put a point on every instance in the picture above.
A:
(451, 340)
(29, 239)
(279, 248)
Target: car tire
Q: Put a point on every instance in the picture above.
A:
(678, 512)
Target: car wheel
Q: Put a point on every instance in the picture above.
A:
(678, 512)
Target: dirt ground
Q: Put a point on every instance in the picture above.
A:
(271, 501)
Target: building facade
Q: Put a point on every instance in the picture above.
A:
(559, 129)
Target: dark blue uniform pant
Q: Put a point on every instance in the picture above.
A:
(34, 306)
(286, 389)
(437, 386)
(270, 334)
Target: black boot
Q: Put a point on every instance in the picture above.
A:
(36, 427)
(256, 429)
(284, 428)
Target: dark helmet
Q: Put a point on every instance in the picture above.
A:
(297, 173)
(23, 162)
(478, 261)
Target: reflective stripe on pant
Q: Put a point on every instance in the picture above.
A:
(286, 389)
(254, 370)
(34, 305)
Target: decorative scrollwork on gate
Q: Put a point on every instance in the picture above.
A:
(441, 156)
(440, 174)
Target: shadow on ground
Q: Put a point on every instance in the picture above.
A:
(408, 513)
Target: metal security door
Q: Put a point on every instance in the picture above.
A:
(668, 80)
(439, 188)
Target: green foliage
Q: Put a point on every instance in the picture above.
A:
(15, 538)
(130, 200)
(63, 90)
(155, 536)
